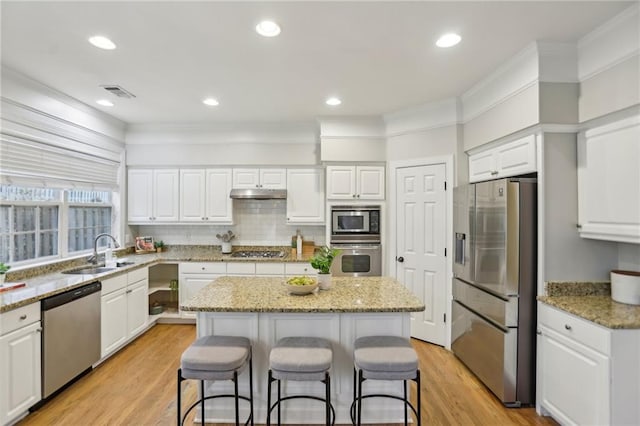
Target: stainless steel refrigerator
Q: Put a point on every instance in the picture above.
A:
(494, 285)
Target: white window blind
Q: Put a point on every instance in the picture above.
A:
(25, 159)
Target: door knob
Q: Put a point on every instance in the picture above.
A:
(400, 259)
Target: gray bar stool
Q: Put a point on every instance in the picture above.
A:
(216, 358)
(301, 359)
(384, 358)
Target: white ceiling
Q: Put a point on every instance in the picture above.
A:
(378, 57)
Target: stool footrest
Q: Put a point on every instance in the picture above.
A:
(379, 395)
(195, 404)
(317, 398)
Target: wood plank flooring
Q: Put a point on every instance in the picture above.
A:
(137, 386)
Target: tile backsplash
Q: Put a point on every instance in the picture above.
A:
(256, 222)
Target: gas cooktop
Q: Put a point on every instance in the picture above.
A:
(268, 254)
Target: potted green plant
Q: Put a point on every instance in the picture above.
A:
(159, 246)
(3, 270)
(322, 261)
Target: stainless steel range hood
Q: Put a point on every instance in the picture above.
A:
(258, 194)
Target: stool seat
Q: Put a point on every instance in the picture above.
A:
(215, 357)
(385, 358)
(301, 358)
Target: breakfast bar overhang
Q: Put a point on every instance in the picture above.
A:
(261, 309)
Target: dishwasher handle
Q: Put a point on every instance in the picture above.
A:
(70, 296)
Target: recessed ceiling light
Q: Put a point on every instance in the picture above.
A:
(102, 42)
(211, 102)
(268, 29)
(333, 101)
(448, 40)
(104, 102)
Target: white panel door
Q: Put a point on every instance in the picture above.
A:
(273, 178)
(192, 195)
(137, 307)
(20, 371)
(341, 182)
(219, 206)
(421, 235)
(113, 324)
(370, 182)
(140, 195)
(166, 191)
(305, 196)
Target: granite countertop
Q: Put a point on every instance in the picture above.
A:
(269, 294)
(592, 301)
(49, 280)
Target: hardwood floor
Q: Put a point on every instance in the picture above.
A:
(137, 386)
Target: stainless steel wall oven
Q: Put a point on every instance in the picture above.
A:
(355, 231)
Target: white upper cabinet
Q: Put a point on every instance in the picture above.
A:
(204, 195)
(608, 177)
(355, 182)
(509, 159)
(153, 195)
(260, 178)
(305, 196)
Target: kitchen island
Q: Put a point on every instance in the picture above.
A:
(261, 309)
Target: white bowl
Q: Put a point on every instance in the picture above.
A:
(625, 287)
(302, 289)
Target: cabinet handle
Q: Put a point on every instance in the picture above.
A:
(354, 195)
(493, 173)
(539, 333)
(23, 317)
(203, 268)
(358, 195)
(129, 291)
(39, 330)
(150, 218)
(567, 326)
(578, 226)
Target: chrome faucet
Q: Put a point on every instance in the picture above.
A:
(94, 258)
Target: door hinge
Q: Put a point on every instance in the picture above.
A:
(445, 185)
(445, 252)
(444, 318)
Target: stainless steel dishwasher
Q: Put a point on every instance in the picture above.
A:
(71, 335)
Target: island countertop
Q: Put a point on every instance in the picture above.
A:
(269, 294)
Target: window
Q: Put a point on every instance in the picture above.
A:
(31, 221)
(89, 215)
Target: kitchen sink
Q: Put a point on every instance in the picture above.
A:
(258, 254)
(91, 270)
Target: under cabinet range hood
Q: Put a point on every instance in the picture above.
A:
(258, 194)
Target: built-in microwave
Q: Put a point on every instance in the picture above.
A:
(355, 224)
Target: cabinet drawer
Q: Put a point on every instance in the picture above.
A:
(582, 331)
(18, 318)
(299, 269)
(241, 268)
(110, 285)
(270, 268)
(203, 268)
(137, 275)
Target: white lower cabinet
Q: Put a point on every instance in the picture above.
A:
(587, 374)
(124, 309)
(20, 362)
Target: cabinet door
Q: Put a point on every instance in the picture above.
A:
(574, 384)
(246, 178)
(219, 207)
(517, 157)
(192, 195)
(370, 182)
(190, 285)
(166, 190)
(113, 325)
(140, 195)
(341, 182)
(273, 178)
(608, 176)
(20, 367)
(137, 307)
(305, 196)
(482, 166)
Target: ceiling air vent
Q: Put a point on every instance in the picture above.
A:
(118, 91)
